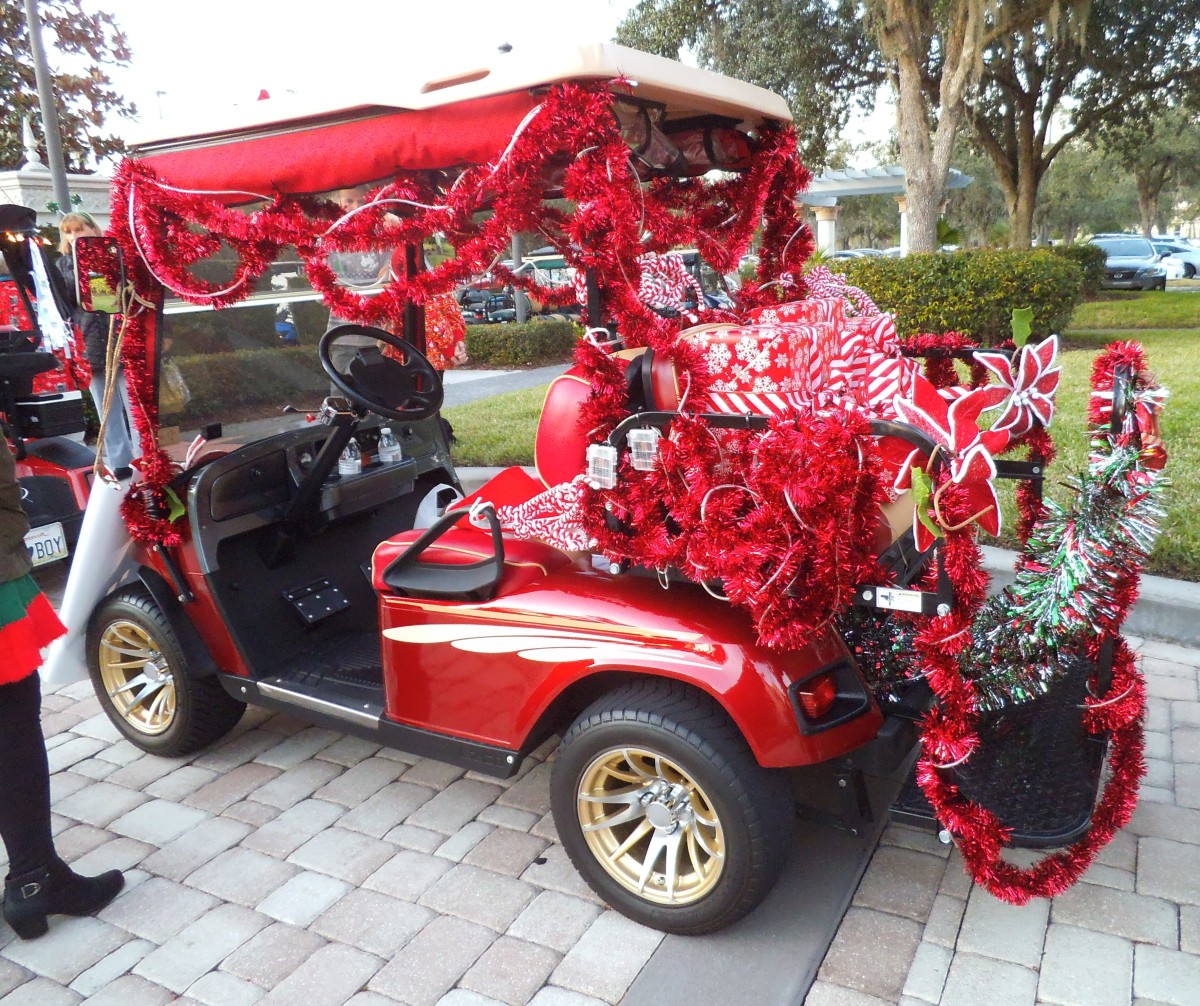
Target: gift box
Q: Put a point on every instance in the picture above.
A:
(763, 369)
(811, 311)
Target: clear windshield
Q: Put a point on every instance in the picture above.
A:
(241, 365)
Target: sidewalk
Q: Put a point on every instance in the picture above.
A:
(919, 933)
(290, 864)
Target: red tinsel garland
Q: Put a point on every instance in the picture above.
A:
(727, 505)
(164, 232)
(950, 734)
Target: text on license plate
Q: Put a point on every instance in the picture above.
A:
(46, 543)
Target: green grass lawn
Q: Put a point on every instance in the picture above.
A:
(500, 430)
(1140, 309)
(497, 431)
(1173, 356)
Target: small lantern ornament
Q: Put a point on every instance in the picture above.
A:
(602, 466)
(643, 448)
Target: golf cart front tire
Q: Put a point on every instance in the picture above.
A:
(142, 680)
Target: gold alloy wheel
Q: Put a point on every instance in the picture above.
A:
(651, 826)
(137, 677)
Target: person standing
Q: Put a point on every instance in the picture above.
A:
(118, 446)
(38, 883)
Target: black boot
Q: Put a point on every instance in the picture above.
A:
(57, 891)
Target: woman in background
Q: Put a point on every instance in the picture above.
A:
(118, 447)
(38, 882)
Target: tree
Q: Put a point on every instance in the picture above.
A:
(1103, 65)
(1084, 191)
(977, 210)
(815, 53)
(85, 96)
(936, 53)
(818, 53)
(1158, 152)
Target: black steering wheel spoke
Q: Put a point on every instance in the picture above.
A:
(376, 381)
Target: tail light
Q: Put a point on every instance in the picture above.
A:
(817, 695)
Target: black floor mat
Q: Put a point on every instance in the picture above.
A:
(1036, 769)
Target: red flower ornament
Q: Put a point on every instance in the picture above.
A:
(1032, 389)
(954, 427)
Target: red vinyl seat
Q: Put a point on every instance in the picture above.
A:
(525, 561)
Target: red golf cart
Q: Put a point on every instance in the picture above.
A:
(751, 530)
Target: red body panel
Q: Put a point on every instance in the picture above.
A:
(80, 479)
(202, 612)
(488, 671)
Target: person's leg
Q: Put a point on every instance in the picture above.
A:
(38, 882)
(117, 446)
(24, 779)
(131, 433)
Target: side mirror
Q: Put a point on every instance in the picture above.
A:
(99, 274)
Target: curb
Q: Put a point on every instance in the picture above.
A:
(1166, 609)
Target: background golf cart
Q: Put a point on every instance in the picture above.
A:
(40, 402)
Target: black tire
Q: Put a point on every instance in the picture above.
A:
(173, 712)
(1162, 284)
(1189, 270)
(662, 729)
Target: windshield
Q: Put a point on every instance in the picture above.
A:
(1127, 248)
(239, 366)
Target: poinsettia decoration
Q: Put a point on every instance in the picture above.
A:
(970, 452)
(1031, 386)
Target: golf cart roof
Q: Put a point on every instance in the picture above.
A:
(334, 138)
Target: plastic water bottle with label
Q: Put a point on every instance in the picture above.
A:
(388, 451)
(350, 462)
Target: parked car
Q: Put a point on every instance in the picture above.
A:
(1131, 263)
(1187, 255)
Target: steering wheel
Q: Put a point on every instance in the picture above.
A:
(407, 388)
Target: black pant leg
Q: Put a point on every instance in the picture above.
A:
(24, 779)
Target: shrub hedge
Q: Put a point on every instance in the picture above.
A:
(222, 382)
(1090, 259)
(512, 345)
(973, 292)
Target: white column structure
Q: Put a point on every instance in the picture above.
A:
(31, 185)
(826, 227)
(824, 192)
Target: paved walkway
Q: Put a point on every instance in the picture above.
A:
(294, 865)
(919, 933)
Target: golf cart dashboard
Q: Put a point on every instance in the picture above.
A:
(252, 485)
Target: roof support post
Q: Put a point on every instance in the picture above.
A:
(827, 228)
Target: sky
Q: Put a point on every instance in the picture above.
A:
(222, 52)
(192, 57)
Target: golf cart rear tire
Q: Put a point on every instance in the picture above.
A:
(754, 807)
(200, 710)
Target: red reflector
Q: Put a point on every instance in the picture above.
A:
(817, 696)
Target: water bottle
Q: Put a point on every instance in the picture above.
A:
(350, 463)
(389, 451)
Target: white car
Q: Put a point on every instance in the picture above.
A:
(1178, 255)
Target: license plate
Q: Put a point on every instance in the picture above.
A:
(46, 544)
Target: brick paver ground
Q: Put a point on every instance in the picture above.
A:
(920, 934)
(291, 864)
